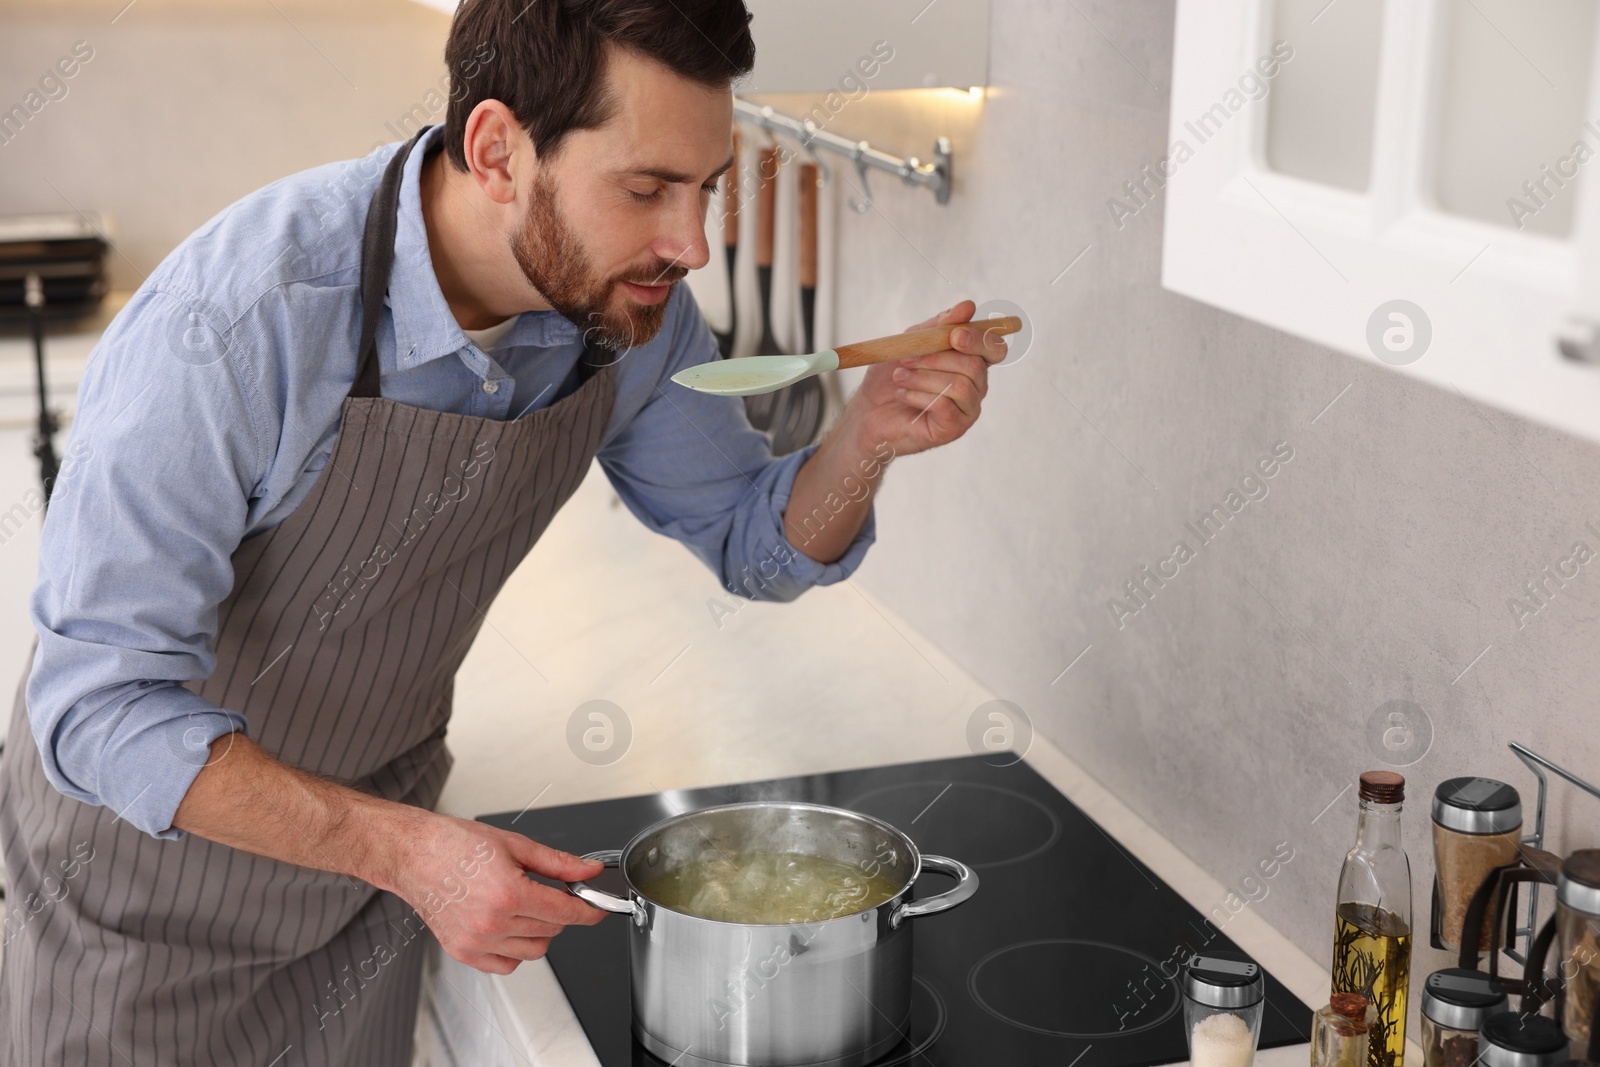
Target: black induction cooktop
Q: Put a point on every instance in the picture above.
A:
(1065, 956)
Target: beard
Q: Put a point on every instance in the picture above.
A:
(555, 262)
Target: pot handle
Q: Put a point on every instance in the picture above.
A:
(966, 885)
(599, 898)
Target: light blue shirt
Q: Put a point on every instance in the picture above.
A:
(211, 404)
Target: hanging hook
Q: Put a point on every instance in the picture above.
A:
(767, 123)
(824, 172)
(861, 207)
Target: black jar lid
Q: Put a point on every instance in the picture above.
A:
(1223, 980)
(1578, 887)
(1461, 999)
(1477, 806)
(1518, 1039)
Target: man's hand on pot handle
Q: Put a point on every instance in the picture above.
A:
(467, 882)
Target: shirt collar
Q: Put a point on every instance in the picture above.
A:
(424, 328)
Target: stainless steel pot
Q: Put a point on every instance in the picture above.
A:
(831, 993)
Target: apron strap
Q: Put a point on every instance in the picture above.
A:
(377, 260)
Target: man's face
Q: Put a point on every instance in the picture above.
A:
(618, 216)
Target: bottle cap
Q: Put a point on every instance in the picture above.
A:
(1518, 1039)
(1477, 806)
(1352, 1006)
(1223, 980)
(1461, 999)
(1578, 887)
(1382, 787)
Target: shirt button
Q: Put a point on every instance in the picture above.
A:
(491, 387)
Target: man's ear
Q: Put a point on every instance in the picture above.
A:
(497, 150)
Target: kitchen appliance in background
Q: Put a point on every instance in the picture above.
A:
(1070, 953)
(799, 410)
(51, 267)
(760, 409)
(730, 246)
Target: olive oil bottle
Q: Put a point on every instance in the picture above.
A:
(1372, 918)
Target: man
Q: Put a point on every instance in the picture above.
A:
(315, 442)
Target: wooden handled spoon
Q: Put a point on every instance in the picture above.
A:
(753, 375)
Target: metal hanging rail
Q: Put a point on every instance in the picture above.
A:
(912, 171)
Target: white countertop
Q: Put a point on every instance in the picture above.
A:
(603, 609)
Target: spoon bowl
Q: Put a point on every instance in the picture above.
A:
(753, 375)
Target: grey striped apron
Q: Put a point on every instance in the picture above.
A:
(339, 643)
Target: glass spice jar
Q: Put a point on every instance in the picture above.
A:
(1521, 1039)
(1454, 1006)
(1339, 1031)
(1477, 825)
(1224, 994)
(1578, 927)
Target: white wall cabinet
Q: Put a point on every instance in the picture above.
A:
(1415, 182)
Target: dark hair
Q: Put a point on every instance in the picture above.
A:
(546, 59)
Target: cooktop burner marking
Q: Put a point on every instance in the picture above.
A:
(918, 798)
(940, 1018)
(1089, 968)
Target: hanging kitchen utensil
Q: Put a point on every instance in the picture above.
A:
(809, 184)
(763, 374)
(730, 245)
(798, 411)
(759, 409)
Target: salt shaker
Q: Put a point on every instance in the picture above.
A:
(1223, 997)
(1454, 1006)
(1339, 1031)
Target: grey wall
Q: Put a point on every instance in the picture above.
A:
(1234, 708)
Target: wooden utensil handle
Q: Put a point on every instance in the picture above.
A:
(730, 197)
(924, 342)
(808, 225)
(766, 206)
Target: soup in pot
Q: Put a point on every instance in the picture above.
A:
(770, 887)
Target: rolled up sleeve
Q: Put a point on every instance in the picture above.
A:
(689, 465)
(135, 559)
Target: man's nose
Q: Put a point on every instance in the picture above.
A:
(684, 242)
